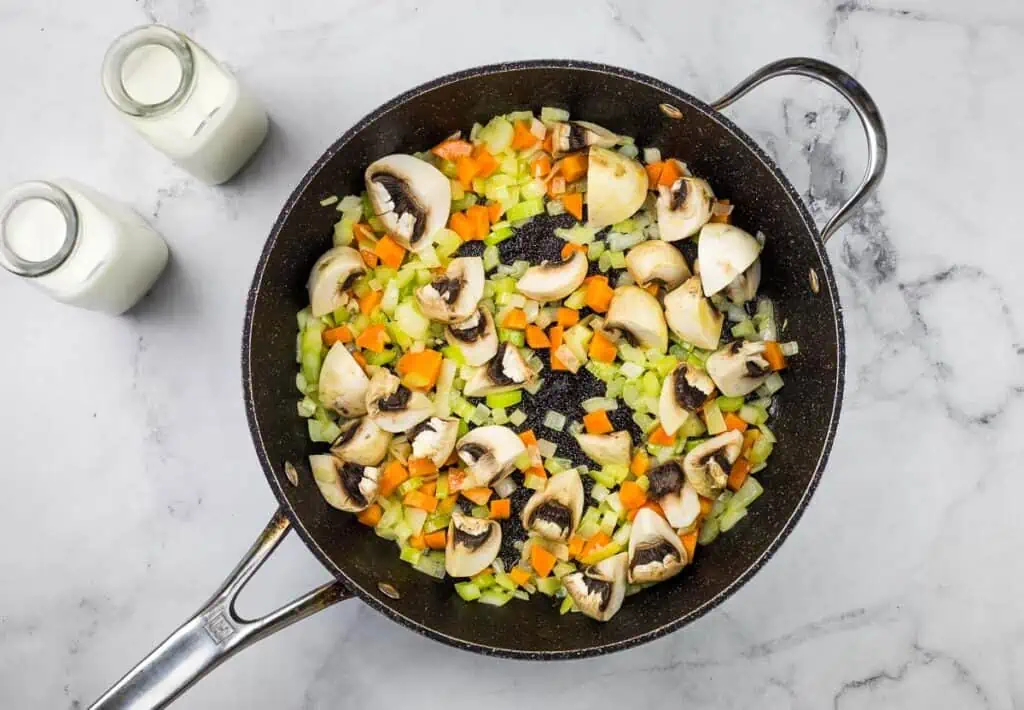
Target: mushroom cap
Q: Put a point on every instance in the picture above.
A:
(744, 287)
(454, 296)
(330, 276)
(434, 439)
(506, 371)
(616, 187)
(599, 590)
(411, 197)
(655, 551)
(683, 208)
(490, 454)
(475, 337)
(394, 407)
(361, 442)
(577, 135)
(692, 317)
(345, 486)
(613, 448)
(681, 509)
(655, 261)
(343, 384)
(738, 368)
(473, 544)
(552, 281)
(555, 512)
(665, 483)
(638, 315)
(685, 390)
(725, 251)
(707, 465)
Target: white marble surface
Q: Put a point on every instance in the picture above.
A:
(130, 486)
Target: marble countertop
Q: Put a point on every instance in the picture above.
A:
(129, 482)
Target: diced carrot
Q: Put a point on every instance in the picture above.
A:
(601, 349)
(652, 289)
(773, 354)
(528, 437)
(341, 334)
(494, 211)
(452, 149)
(567, 317)
(576, 545)
(364, 235)
(419, 499)
(570, 248)
(738, 474)
(369, 258)
(555, 336)
(573, 166)
(486, 163)
(598, 541)
(689, 541)
(537, 471)
(670, 172)
(480, 219)
(430, 487)
(501, 509)
(465, 170)
(480, 495)
(631, 514)
(422, 467)
(419, 370)
(417, 541)
(540, 165)
(549, 143)
(638, 466)
(394, 475)
(371, 516)
(722, 218)
(632, 495)
(515, 319)
(597, 422)
(374, 338)
(391, 253)
(519, 575)
(523, 138)
(706, 504)
(654, 172)
(358, 357)
(456, 479)
(369, 302)
(659, 437)
(437, 539)
(462, 225)
(556, 186)
(573, 203)
(750, 437)
(599, 294)
(536, 338)
(734, 423)
(541, 559)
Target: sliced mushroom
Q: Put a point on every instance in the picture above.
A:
(476, 337)
(616, 187)
(411, 197)
(577, 135)
(725, 252)
(707, 465)
(607, 449)
(473, 544)
(362, 442)
(684, 391)
(343, 384)
(455, 296)
(599, 590)
(744, 287)
(434, 439)
(393, 406)
(657, 262)
(638, 316)
(490, 454)
(739, 368)
(692, 317)
(552, 281)
(331, 275)
(506, 371)
(555, 512)
(345, 486)
(667, 487)
(683, 208)
(655, 551)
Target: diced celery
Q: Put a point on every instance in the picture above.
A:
(665, 364)
(750, 491)
(744, 329)
(760, 451)
(548, 586)
(617, 260)
(730, 404)
(692, 427)
(498, 236)
(468, 591)
(480, 414)
(708, 531)
(772, 384)
(753, 415)
(505, 582)
(383, 357)
(651, 384)
(713, 418)
(604, 262)
(410, 484)
(602, 553)
(605, 479)
(730, 518)
(411, 321)
(631, 354)
(504, 399)
(312, 350)
(621, 536)
(643, 482)
(525, 209)
(534, 482)
(548, 113)
(566, 606)
(766, 433)
(306, 407)
(411, 555)
(480, 511)
(497, 134)
(630, 394)
(692, 444)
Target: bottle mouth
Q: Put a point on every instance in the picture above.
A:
(121, 53)
(56, 233)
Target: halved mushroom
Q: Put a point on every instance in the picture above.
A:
(638, 316)
(616, 187)
(552, 281)
(657, 262)
(744, 287)
(473, 544)
(684, 391)
(739, 368)
(554, 512)
(476, 337)
(724, 252)
(692, 317)
(434, 439)
(506, 371)
(599, 590)
(331, 275)
(707, 465)
(667, 487)
(410, 196)
(362, 442)
(490, 454)
(577, 135)
(345, 486)
(343, 384)
(683, 208)
(455, 296)
(606, 449)
(394, 407)
(655, 551)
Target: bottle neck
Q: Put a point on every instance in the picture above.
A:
(38, 228)
(128, 53)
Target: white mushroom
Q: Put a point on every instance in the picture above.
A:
(692, 317)
(744, 287)
(345, 486)
(577, 135)
(616, 187)
(599, 590)
(411, 197)
(434, 439)
(455, 296)
(490, 454)
(554, 512)
(362, 442)
(684, 391)
(476, 337)
(329, 278)
(393, 406)
(552, 281)
(473, 544)
(506, 371)
(708, 464)
(739, 368)
(655, 551)
(683, 208)
(343, 384)
(613, 448)
(667, 487)
(657, 262)
(638, 316)
(724, 252)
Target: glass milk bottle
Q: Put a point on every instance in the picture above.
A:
(78, 245)
(183, 102)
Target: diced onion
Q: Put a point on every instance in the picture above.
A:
(546, 448)
(652, 155)
(595, 403)
(790, 349)
(554, 420)
(505, 487)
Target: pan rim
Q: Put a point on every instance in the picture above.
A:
(828, 279)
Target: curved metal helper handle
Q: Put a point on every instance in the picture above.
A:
(863, 104)
(214, 633)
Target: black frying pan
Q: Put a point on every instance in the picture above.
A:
(797, 275)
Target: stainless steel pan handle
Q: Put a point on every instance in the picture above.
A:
(214, 633)
(863, 104)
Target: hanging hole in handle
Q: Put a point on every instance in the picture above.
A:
(671, 111)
